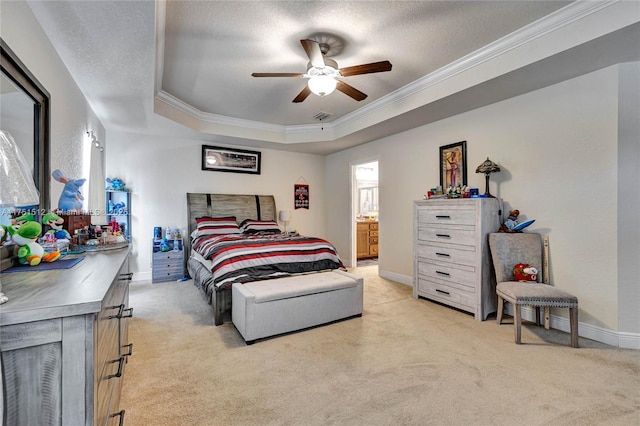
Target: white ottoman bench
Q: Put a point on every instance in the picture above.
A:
(266, 308)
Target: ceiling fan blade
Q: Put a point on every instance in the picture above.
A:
(366, 68)
(276, 74)
(312, 48)
(350, 91)
(302, 95)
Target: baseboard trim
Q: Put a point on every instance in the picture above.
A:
(629, 340)
(589, 331)
(142, 276)
(392, 276)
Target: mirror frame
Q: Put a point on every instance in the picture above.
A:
(18, 73)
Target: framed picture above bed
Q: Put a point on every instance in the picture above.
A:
(221, 159)
(453, 165)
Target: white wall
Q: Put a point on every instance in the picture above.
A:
(629, 198)
(558, 150)
(71, 115)
(160, 170)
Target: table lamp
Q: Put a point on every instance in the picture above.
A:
(16, 181)
(487, 167)
(285, 217)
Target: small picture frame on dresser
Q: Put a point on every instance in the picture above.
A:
(453, 165)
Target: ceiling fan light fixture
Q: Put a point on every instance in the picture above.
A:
(322, 85)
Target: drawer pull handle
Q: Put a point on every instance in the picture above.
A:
(121, 415)
(120, 362)
(119, 314)
(130, 346)
(443, 292)
(443, 236)
(129, 313)
(126, 277)
(443, 273)
(443, 216)
(443, 254)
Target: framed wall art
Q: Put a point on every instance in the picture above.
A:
(219, 159)
(453, 164)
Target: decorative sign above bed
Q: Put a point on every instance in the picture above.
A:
(219, 159)
(301, 196)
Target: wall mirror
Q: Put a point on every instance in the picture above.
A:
(368, 201)
(25, 114)
(367, 187)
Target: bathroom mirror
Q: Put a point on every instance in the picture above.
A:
(25, 113)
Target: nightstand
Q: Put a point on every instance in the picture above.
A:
(167, 265)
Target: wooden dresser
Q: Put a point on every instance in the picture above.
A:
(452, 263)
(64, 342)
(366, 239)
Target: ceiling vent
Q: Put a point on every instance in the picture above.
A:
(322, 115)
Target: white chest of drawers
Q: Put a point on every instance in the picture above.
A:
(452, 263)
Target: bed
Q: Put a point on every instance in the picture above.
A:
(216, 286)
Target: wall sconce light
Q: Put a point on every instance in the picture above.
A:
(94, 140)
(285, 217)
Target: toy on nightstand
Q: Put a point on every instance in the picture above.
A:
(164, 245)
(55, 222)
(30, 252)
(71, 198)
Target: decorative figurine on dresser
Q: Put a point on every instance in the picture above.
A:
(452, 263)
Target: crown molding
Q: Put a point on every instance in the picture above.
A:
(546, 25)
(359, 118)
(185, 114)
(200, 115)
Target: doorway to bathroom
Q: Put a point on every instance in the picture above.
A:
(366, 203)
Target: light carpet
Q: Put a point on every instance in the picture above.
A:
(404, 362)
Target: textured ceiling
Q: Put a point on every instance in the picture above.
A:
(211, 48)
(127, 56)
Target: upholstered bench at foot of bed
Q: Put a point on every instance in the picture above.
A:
(266, 308)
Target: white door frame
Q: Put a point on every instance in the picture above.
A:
(354, 204)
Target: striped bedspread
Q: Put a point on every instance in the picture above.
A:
(240, 258)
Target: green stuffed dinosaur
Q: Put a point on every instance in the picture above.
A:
(30, 252)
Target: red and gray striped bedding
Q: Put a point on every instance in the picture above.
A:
(240, 258)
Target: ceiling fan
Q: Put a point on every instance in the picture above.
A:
(323, 73)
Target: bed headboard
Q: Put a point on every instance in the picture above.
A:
(259, 207)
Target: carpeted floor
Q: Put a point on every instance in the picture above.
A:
(367, 262)
(405, 362)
